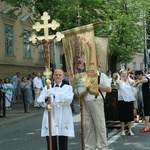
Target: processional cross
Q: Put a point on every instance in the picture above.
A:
(45, 40)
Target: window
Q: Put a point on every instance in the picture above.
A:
(26, 44)
(9, 47)
(134, 65)
(41, 51)
(141, 66)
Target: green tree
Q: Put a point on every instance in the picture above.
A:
(123, 21)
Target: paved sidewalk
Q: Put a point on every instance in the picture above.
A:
(17, 114)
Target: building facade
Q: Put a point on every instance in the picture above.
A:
(16, 53)
(136, 64)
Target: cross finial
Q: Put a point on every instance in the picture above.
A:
(46, 26)
(47, 73)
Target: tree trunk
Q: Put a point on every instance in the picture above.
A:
(112, 63)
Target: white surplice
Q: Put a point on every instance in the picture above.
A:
(61, 114)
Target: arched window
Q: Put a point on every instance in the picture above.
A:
(26, 44)
(9, 47)
(40, 47)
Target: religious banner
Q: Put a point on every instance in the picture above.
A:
(101, 45)
(80, 56)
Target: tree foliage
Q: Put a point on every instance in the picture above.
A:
(123, 20)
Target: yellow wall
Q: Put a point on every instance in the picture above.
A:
(10, 65)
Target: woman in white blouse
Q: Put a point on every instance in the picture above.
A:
(125, 101)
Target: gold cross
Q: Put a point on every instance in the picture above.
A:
(47, 37)
(38, 26)
(53, 25)
(46, 25)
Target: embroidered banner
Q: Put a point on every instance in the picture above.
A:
(80, 56)
(101, 45)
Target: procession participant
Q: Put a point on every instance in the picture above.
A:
(38, 86)
(61, 116)
(8, 88)
(16, 87)
(94, 118)
(27, 93)
(125, 101)
(144, 97)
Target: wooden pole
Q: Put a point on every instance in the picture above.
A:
(49, 120)
(82, 121)
(81, 98)
(47, 73)
(49, 113)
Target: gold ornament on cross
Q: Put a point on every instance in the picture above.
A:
(47, 73)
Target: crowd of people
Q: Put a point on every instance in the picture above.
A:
(133, 100)
(25, 89)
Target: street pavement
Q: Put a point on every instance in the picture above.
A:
(17, 114)
(115, 142)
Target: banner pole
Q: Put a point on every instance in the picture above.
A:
(81, 98)
(82, 121)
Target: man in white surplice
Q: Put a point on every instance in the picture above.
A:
(61, 115)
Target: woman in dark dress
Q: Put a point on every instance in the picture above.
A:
(146, 98)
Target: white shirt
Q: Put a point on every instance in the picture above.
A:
(148, 75)
(125, 92)
(37, 83)
(104, 81)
